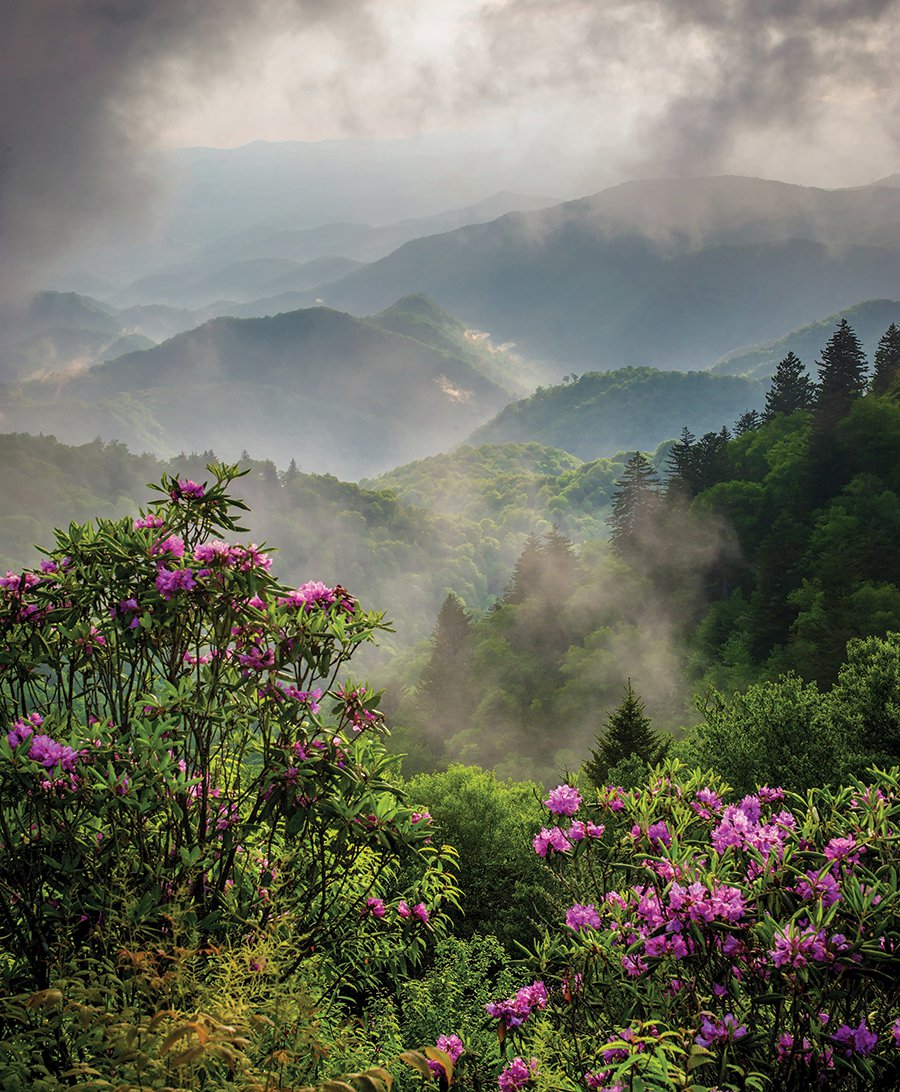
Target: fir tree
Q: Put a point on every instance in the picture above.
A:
(680, 464)
(887, 361)
(628, 732)
(635, 503)
(791, 389)
(526, 575)
(445, 680)
(747, 422)
(842, 375)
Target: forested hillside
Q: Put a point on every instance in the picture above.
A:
(600, 413)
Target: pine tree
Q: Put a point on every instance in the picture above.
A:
(887, 361)
(791, 389)
(842, 375)
(680, 465)
(747, 422)
(526, 577)
(635, 504)
(628, 732)
(445, 680)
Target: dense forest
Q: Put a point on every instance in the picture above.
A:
(221, 873)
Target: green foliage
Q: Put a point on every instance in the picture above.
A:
(189, 783)
(625, 410)
(504, 890)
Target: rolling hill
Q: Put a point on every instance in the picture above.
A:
(339, 394)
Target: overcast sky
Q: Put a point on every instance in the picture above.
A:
(801, 90)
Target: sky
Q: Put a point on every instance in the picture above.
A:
(801, 90)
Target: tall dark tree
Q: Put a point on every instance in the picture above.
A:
(445, 681)
(791, 388)
(710, 459)
(628, 732)
(747, 422)
(680, 465)
(887, 361)
(635, 504)
(842, 374)
(526, 577)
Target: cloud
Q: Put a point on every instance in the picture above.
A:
(85, 86)
(608, 88)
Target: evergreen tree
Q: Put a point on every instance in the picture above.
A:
(635, 503)
(791, 389)
(526, 575)
(842, 375)
(887, 361)
(445, 680)
(628, 732)
(680, 464)
(710, 459)
(747, 422)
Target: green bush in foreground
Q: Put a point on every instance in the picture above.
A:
(202, 844)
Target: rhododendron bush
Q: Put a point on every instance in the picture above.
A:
(189, 786)
(715, 943)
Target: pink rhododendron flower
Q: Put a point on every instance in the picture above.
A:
(551, 839)
(580, 917)
(563, 800)
(517, 1074)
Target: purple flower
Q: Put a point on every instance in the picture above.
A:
(517, 1074)
(150, 522)
(514, 1011)
(403, 909)
(553, 838)
(563, 800)
(580, 917)
(816, 888)
(421, 912)
(844, 849)
(858, 1040)
(451, 1045)
(579, 830)
(375, 907)
(184, 487)
(51, 754)
(170, 581)
(726, 1030)
(309, 595)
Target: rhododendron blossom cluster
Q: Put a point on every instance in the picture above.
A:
(691, 912)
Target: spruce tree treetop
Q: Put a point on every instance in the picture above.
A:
(842, 373)
(887, 361)
(791, 389)
(628, 732)
(634, 504)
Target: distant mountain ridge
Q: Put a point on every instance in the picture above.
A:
(869, 320)
(338, 393)
(668, 273)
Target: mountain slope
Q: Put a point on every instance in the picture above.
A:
(339, 394)
(869, 320)
(602, 413)
(670, 273)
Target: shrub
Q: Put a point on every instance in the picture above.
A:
(743, 945)
(196, 808)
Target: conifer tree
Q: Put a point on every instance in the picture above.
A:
(635, 504)
(628, 732)
(445, 680)
(526, 575)
(791, 388)
(747, 422)
(842, 375)
(887, 361)
(680, 464)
